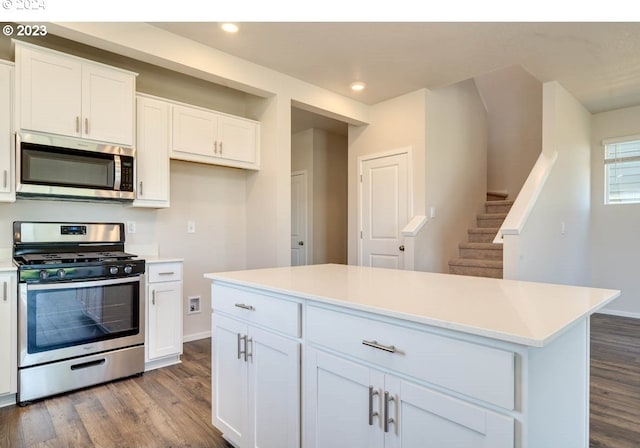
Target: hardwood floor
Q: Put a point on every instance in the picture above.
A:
(615, 382)
(171, 407)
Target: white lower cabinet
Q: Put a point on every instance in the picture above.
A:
(351, 405)
(8, 338)
(256, 369)
(256, 385)
(163, 342)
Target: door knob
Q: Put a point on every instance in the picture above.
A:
(300, 243)
(401, 248)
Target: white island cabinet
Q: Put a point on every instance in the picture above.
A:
(403, 359)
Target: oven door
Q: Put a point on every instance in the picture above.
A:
(68, 319)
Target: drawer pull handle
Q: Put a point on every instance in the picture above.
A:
(387, 419)
(372, 393)
(245, 307)
(374, 344)
(166, 273)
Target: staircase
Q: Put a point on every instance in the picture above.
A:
(479, 256)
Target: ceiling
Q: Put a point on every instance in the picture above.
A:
(599, 63)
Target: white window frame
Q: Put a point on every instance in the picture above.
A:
(621, 161)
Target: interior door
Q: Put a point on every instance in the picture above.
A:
(384, 210)
(299, 244)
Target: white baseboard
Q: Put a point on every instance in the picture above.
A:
(196, 336)
(620, 313)
(7, 400)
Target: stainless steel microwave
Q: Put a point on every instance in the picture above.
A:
(57, 166)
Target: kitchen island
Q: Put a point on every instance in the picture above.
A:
(346, 356)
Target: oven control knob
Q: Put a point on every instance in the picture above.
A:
(44, 274)
(113, 270)
(128, 269)
(61, 273)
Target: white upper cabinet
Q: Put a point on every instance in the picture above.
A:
(7, 190)
(205, 136)
(66, 95)
(152, 152)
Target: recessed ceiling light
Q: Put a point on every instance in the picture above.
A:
(230, 27)
(357, 86)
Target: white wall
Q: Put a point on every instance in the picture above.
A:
(455, 172)
(213, 197)
(543, 252)
(614, 228)
(513, 98)
(396, 123)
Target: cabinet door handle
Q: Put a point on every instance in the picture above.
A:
(86, 126)
(215, 147)
(248, 353)
(245, 307)
(153, 297)
(5, 177)
(387, 420)
(4, 291)
(221, 148)
(141, 193)
(77, 124)
(374, 344)
(372, 393)
(242, 352)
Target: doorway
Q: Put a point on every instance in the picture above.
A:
(299, 218)
(384, 209)
(319, 147)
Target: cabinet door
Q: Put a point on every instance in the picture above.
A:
(8, 325)
(274, 390)
(50, 92)
(237, 139)
(152, 156)
(338, 403)
(425, 418)
(229, 380)
(194, 131)
(6, 135)
(165, 319)
(107, 104)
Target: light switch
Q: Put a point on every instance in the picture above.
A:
(131, 227)
(191, 227)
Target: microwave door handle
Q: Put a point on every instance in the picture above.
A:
(117, 168)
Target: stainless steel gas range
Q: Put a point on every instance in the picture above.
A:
(80, 307)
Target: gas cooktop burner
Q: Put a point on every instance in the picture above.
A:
(72, 257)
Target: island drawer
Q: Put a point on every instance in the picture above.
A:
(164, 272)
(257, 308)
(475, 370)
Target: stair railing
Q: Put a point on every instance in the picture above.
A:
(521, 209)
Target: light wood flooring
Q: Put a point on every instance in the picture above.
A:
(615, 382)
(171, 407)
(168, 407)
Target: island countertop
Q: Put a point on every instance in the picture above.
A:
(526, 313)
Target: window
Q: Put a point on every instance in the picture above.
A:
(622, 170)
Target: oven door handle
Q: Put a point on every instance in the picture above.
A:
(84, 284)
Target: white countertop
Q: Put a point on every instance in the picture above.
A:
(521, 312)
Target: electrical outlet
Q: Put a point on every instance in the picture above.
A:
(191, 227)
(194, 304)
(131, 227)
